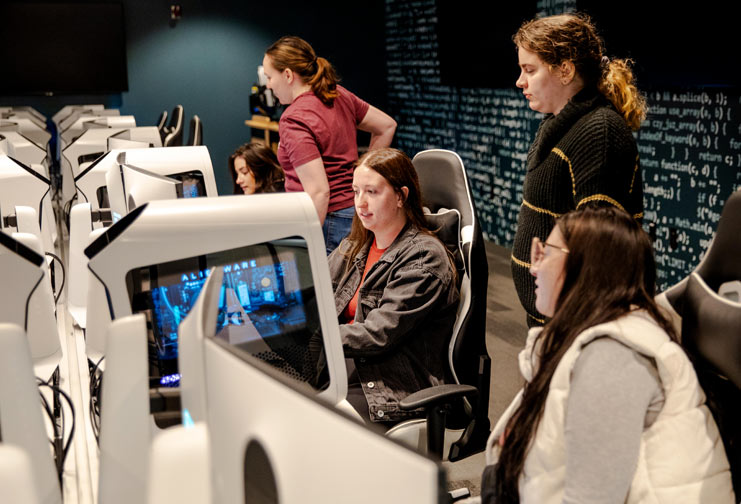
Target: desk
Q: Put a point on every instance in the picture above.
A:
(264, 123)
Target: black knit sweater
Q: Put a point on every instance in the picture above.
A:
(585, 153)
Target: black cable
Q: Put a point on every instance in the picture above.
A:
(62, 393)
(96, 381)
(67, 209)
(58, 441)
(64, 275)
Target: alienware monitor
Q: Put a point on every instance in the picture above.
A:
(267, 306)
(141, 186)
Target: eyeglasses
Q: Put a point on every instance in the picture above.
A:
(537, 250)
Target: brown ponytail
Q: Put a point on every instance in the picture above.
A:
(295, 53)
(573, 37)
(618, 85)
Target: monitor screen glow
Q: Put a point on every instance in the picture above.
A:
(267, 305)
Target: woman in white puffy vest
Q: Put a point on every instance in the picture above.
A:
(611, 410)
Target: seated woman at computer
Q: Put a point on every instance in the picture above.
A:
(612, 410)
(395, 290)
(255, 169)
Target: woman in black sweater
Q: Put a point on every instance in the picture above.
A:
(584, 149)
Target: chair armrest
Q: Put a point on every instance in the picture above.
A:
(439, 394)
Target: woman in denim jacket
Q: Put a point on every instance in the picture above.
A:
(395, 290)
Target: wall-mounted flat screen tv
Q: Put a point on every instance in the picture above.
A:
(62, 48)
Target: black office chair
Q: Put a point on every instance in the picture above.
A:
(174, 130)
(463, 403)
(711, 329)
(162, 123)
(195, 135)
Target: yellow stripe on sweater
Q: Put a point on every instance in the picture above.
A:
(635, 170)
(563, 156)
(541, 210)
(542, 321)
(520, 263)
(600, 197)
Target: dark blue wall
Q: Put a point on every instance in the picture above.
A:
(208, 61)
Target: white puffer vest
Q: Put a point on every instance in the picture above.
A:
(681, 458)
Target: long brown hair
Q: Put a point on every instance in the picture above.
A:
(573, 37)
(295, 53)
(609, 272)
(263, 164)
(398, 170)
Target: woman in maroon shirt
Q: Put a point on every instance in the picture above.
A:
(318, 138)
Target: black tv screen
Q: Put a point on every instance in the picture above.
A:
(475, 41)
(672, 44)
(62, 48)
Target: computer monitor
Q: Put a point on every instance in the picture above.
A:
(121, 143)
(89, 146)
(21, 185)
(259, 419)
(85, 113)
(78, 114)
(130, 186)
(144, 136)
(92, 144)
(22, 148)
(154, 261)
(27, 299)
(21, 267)
(25, 112)
(266, 306)
(68, 110)
(21, 422)
(27, 126)
(191, 165)
(142, 186)
(90, 184)
(75, 126)
(32, 112)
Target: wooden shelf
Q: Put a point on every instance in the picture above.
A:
(264, 123)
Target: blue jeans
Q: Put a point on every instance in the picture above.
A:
(336, 226)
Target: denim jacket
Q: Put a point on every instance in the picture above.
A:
(404, 318)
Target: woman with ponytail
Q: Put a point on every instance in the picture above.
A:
(584, 149)
(611, 411)
(318, 138)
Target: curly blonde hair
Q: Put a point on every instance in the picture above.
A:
(574, 38)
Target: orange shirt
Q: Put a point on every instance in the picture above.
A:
(374, 254)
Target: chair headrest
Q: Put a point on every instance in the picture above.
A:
(723, 259)
(443, 181)
(710, 328)
(446, 224)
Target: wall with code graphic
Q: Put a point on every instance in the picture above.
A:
(689, 145)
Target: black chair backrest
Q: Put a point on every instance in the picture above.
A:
(711, 329)
(722, 262)
(444, 185)
(161, 122)
(723, 259)
(446, 224)
(174, 132)
(195, 135)
(711, 335)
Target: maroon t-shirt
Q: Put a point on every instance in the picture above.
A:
(309, 130)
